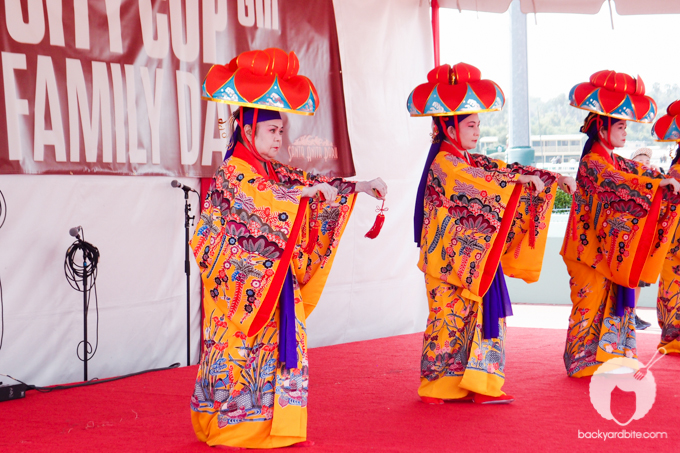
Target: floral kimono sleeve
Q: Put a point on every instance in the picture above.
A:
(468, 213)
(244, 242)
(317, 245)
(674, 247)
(322, 229)
(617, 221)
(290, 175)
(523, 257)
(495, 169)
(666, 237)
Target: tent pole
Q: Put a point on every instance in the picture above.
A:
(518, 101)
(435, 30)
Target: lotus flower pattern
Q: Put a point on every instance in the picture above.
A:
(608, 197)
(458, 211)
(236, 229)
(260, 245)
(630, 207)
(478, 223)
(432, 197)
(219, 201)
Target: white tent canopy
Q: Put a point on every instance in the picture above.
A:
(623, 7)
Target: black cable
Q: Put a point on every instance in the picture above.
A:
(3, 209)
(75, 274)
(91, 382)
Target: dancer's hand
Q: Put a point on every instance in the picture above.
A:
(375, 188)
(675, 185)
(532, 182)
(328, 192)
(567, 183)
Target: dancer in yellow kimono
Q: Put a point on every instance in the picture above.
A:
(667, 129)
(472, 214)
(265, 244)
(644, 156)
(619, 228)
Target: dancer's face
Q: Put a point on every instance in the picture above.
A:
(617, 136)
(468, 131)
(268, 137)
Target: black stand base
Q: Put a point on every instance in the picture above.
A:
(12, 390)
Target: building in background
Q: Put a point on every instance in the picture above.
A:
(557, 149)
(489, 145)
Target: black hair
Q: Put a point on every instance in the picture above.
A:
(591, 127)
(677, 156)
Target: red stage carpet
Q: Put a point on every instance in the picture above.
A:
(362, 398)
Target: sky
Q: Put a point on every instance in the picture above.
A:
(564, 49)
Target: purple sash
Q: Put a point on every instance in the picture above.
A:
(625, 297)
(496, 305)
(287, 335)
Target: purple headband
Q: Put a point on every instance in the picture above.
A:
(262, 115)
(450, 120)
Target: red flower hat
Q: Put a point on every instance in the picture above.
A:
(667, 128)
(456, 90)
(265, 79)
(614, 94)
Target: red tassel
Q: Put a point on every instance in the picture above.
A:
(532, 224)
(573, 220)
(378, 224)
(313, 238)
(313, 235)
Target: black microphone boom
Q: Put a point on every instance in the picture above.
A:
(179, 185)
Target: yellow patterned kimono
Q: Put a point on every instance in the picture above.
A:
(617, 236)
(668, 301)
(475, 216)
(252, 232)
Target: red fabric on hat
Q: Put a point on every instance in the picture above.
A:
(613, 88)
(255, 71)
(452, 84)
(661, 126)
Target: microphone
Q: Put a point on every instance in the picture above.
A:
(179, 185)
(75, 231)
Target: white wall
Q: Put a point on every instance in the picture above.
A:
(137, 223)
(374, 289)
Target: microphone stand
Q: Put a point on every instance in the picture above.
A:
(187, 268)
(85, 352)
(72, 279)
